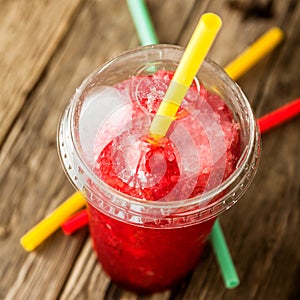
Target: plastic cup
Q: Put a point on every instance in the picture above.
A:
(149, 246)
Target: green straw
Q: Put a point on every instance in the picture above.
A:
(229, 274)
(147, 36)
(142, 22)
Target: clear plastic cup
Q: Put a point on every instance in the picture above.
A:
(149, 246)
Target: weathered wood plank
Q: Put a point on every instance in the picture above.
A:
(262, 231)
(87, 280)
(276, 256)
(29, 32)
(262, 228)
(35, 275)
(30, 171)
(164, 13)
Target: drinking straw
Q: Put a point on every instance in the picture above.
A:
(279, 115)
(75, 222)
(196, 51)
(142, 22)
(248, 58)
(224, 259)
(265, 123)
(226, 265)
(52, 222)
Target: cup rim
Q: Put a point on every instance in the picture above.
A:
(244, 159)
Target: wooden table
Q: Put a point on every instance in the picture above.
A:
(47, 49)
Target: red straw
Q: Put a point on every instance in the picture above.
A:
(265, 123)
(75, 222)
(279, 116)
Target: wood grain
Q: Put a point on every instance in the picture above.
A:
(30, 32)
(31, 147)
(47, 48)
(258, 226)
(87, 280)
(162, 15)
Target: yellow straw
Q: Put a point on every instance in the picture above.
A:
(235, 69)
(52, 222)
(197, 48)
(254, 53)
